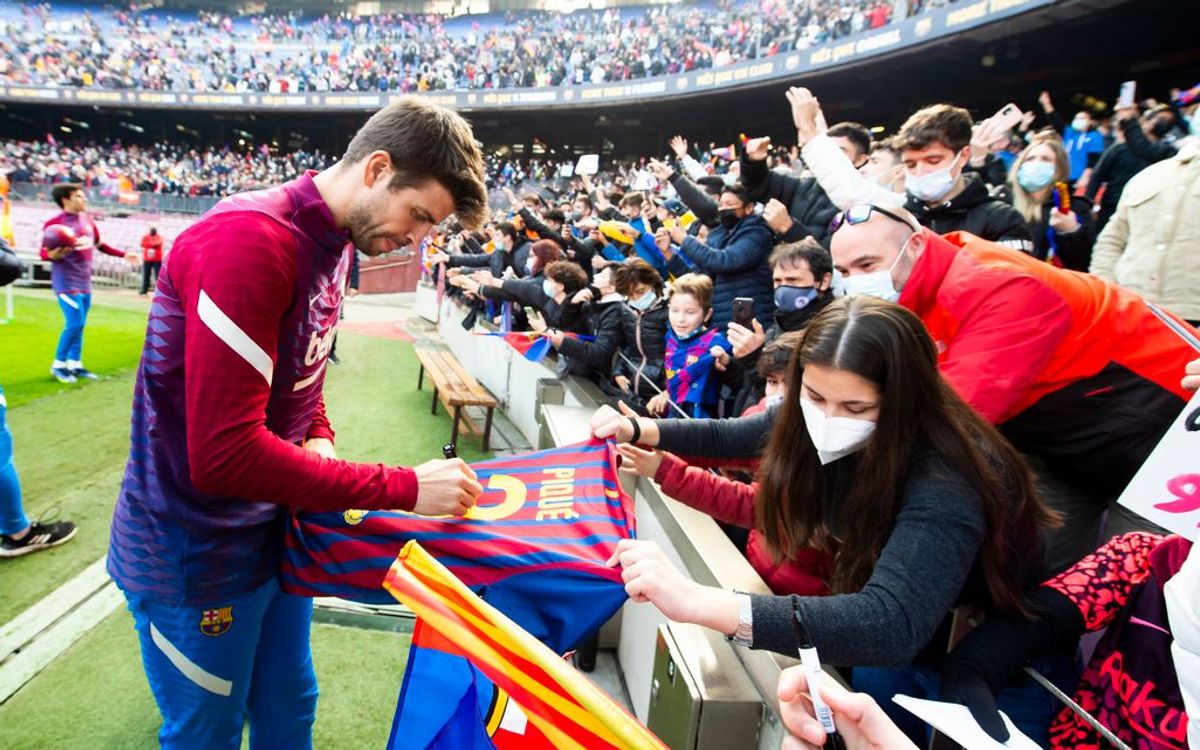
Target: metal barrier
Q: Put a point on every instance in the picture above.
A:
(128, 202)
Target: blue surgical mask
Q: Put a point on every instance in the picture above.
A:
(644, 302)
(548, 288)
(1035, 175)
(933, 186)
(790, 298)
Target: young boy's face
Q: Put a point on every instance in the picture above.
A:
(686, 314)
(776, 385)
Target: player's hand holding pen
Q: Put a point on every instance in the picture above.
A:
(446, 487)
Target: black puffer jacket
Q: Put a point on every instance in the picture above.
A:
(1075, 249)
(644, 345)
(975, 210)
(736, 259)
(806, 201)
(594, 359)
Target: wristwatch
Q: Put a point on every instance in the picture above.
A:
(744, 635)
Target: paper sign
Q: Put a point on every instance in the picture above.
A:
(588, 164)
(644, 181)
(1166, 490)
(955, 721)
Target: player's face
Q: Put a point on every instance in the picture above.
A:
(76, 202)
(384, 220)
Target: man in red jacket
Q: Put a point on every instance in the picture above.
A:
(152, 257)
(1075, 371)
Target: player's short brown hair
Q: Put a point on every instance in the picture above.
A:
(64, 191)
(426, 141)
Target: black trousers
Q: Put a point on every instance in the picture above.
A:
(147, 267)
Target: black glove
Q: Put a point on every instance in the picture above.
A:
(993, 655)
(962, 684)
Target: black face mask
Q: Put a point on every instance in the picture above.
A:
(728, 217)
(1162, 126)
(794, 320)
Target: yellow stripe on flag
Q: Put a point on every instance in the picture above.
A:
(451, 621)
(414, 579)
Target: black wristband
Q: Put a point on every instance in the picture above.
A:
(637, 430)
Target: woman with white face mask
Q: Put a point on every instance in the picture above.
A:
(874, 459)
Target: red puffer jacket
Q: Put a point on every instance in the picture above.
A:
(805, 573)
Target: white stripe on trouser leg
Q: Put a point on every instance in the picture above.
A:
(190, 669)
(67, 300)
(235, 338)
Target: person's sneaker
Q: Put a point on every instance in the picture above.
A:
(62, 374)
(83, 373)
(40, 536)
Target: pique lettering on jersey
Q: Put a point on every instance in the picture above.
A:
(556, 498)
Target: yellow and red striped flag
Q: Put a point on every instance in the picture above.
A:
(563, 704)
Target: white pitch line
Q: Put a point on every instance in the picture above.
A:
(35, 657)
(26, 626)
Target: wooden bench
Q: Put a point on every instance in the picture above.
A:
(455, 388)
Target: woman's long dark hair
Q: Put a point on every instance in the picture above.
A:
(888, 345)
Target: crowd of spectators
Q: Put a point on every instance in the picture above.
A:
(803, 293)
(155, 51)
(166, 168)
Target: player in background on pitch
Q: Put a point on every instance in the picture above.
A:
(71, 253)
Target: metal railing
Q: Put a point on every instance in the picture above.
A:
(129, 202)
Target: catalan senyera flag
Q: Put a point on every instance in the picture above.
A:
(567, 711)
(535, 544)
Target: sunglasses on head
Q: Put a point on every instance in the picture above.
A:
(862, 212)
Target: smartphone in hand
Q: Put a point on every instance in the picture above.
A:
(743, 312)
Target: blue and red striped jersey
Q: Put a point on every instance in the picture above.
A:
(535, 545)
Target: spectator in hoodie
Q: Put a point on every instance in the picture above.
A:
(734, 255)
(638, 374)
(934, 146)
(1061, 223)
(602, 320)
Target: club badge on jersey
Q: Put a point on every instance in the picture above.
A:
(217, 621)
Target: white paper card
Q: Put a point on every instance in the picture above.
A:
(1166, 490)
(955, 721)
(588, 164)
